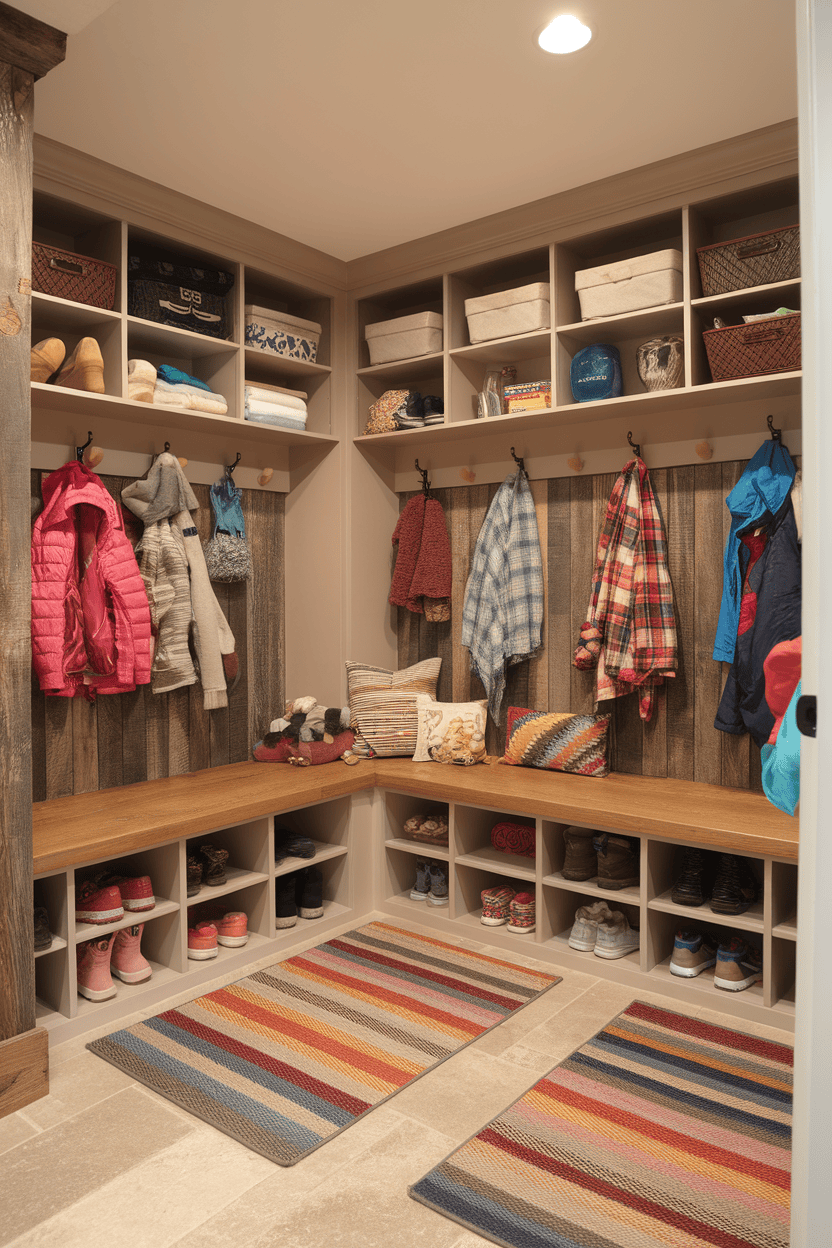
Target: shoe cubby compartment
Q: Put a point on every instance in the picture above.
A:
(250, 859)
(783, 973)
(50, 892)
(73, 227)
(554, 854)
(163, 867)
(663, 861)
(661, 935)
(397, 808)
(327, 826)
(784, 900)
(72, 322)
(53, 991)
(470, 882)
(472, 844)
(556, 917)
(335, 892)
(738, 215)
(399, 875)
(255, 901)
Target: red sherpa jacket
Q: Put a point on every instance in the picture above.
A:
(90, 616)
(423, 564)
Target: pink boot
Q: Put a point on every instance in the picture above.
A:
(127, 962)
(94, 979)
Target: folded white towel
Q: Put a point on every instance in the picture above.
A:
(141, 380)
(255, 395)
(189, 396)
(259, 408)
(268, 389)
(273, 418)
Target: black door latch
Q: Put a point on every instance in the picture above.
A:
(806, 714)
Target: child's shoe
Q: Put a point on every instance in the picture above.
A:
(127, 961)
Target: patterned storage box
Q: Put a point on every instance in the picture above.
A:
(770, 346)
(282, 334)
(508, 312)
(756, 260)
(67, 275)
(628, 285)
(180, 295)
(404, 337)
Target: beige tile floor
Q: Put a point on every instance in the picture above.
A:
(104, 1161)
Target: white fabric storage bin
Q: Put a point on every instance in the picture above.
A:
(627, 285)
(282, 334)
(406, 336)
(508, 312)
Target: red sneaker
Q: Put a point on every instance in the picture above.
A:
(94, 904)
(231, 925)
(202, 941)
(136, 890)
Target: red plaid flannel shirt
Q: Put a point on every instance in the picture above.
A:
(631, 603)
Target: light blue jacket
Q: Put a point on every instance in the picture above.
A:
(761, 491)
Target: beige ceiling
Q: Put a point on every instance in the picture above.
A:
(355, 126)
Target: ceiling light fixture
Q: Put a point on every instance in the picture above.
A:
(564, 34)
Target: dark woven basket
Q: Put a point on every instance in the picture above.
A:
(770, 346)
(82, 279)
(755, 260)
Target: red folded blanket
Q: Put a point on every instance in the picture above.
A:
(513, 838)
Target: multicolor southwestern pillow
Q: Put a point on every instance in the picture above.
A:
(450, 732)
(383, 705)
(557, 741)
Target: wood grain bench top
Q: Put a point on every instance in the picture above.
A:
(92, 826)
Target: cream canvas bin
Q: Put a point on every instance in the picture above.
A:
(627, 285)
(282, 334)
(404, 337)
(508, 312)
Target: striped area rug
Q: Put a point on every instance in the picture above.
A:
(661, 1132)
(288, 1057)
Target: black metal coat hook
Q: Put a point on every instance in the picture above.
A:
(635, 445)
(425, 482)
(79, 450)
(229, 468)
(776, 434)
(520, 462)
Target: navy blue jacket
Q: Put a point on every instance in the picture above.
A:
(775, 579)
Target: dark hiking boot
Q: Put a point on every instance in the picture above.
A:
(194, 875)
(735, 887)
(580, 862)
(617, 861)
(691, 882)
(43, 936)
(309, 889)
(285, 907)
(215, 860)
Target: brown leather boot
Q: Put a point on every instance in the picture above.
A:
(46, 357)
(581, 862)
(617, 861)
(84, 369)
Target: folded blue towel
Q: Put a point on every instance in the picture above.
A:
(178, 378)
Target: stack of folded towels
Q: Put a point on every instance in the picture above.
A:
(172, 387)
(274, 405)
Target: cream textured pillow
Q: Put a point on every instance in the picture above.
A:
(450, 732)
(383, 705)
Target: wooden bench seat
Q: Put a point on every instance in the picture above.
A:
(92, 826)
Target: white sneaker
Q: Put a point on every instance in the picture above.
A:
(615, 937)
(585, 928)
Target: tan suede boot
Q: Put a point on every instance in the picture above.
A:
(47, 357)
(84, 369)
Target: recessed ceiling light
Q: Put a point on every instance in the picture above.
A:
(564, 34)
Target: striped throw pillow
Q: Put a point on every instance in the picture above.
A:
(383, 705)
(557, 741)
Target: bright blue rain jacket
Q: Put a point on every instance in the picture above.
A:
(758, 495)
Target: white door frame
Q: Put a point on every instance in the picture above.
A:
(812, 1141)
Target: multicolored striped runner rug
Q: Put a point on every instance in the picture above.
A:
(661, 1132)
(288, 1057)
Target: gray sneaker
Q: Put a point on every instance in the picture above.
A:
(438, 895)
(585, 928)
(615, 937)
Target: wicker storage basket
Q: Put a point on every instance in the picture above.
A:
(82, 279)
(770, 346)
(755, 260)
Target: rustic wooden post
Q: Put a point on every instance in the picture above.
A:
(28, 50)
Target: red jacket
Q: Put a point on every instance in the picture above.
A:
(90, 615)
